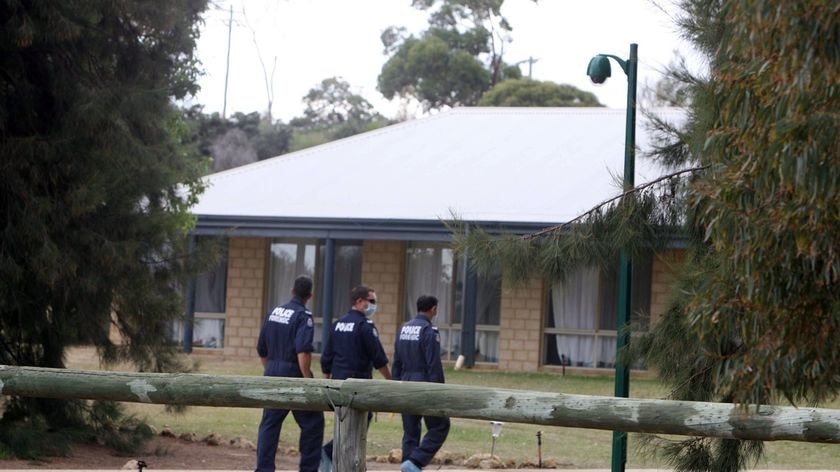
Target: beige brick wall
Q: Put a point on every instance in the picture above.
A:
(246, 277)
(383, 266)
(665, 268)
(521, 325)
(382, 269)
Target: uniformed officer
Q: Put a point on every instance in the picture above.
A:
(285, 349)
(417, 359)
(353, 349)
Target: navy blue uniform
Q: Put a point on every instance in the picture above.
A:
(287, 331)
(417, 359)
(354, 349)
(352, 352)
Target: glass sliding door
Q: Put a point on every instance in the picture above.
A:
(289, 258)
(431, 269)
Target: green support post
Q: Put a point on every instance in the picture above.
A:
(599, 70)
(622, 368)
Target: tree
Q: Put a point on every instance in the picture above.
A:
(95, 188)
(673, 89)
(239, 140)
(535, 93)
(333, 103)
(755, 316)
(452, 63)
(332, 112)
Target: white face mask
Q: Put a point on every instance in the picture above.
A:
(371, 309)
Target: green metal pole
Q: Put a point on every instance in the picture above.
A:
(622, 369)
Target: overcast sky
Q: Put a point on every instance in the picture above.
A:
(315, 39)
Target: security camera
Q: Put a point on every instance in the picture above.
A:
(598, 69)
(598, 79)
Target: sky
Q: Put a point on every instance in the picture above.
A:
(311, 40)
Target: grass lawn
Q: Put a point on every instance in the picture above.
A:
(571, 447)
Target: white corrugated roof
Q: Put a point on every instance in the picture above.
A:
(482, 164)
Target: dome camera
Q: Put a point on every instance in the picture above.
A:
(598, 79)
(599, 69)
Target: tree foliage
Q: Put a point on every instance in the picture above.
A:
(755, 315)
(241, 139)
(769, 207)
(453, 62)
(535, 93)
(334, 111)
(95, 185)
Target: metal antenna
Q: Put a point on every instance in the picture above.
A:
(227, 64)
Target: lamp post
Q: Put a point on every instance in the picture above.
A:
(598, 71)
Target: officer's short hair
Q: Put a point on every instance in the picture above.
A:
(303, 286)
(359, 292)
(426, 303)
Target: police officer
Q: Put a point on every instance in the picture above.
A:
(417, 359)
(285, 349)
(353, 350)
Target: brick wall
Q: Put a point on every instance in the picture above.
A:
(382, 269)
(665, 268)
(520, 326)
(245, 294)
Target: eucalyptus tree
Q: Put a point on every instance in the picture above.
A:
(95, 189)
(333, 111)
(454, 61)
(755, 314)
(537, 93)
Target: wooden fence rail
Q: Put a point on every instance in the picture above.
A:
(723, 420)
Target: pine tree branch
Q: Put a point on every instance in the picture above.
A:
(561, 226)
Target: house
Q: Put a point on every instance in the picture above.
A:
(369, 209)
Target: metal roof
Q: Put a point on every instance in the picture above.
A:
(524, 167)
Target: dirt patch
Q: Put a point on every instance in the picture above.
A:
(161, 453)
(167, 453)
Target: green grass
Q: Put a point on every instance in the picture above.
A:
(571, 447)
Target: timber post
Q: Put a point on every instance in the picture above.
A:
(720, 420)
(350, 440)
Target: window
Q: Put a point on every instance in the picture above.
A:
(488, 303)
(291, 258)
(429, 271)
(347, 274)
(211, 287)
(288, 260)
(580, 324)
(432, 269)
(207, 332)
(210, 293)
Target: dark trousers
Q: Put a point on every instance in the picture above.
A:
(311, 436)
(421, 453)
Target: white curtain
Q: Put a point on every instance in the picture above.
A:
(606, 351)
(429, 272)
(288, 260)
(487, 345)
(574, 303)
(207, 332)
(347, 275)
